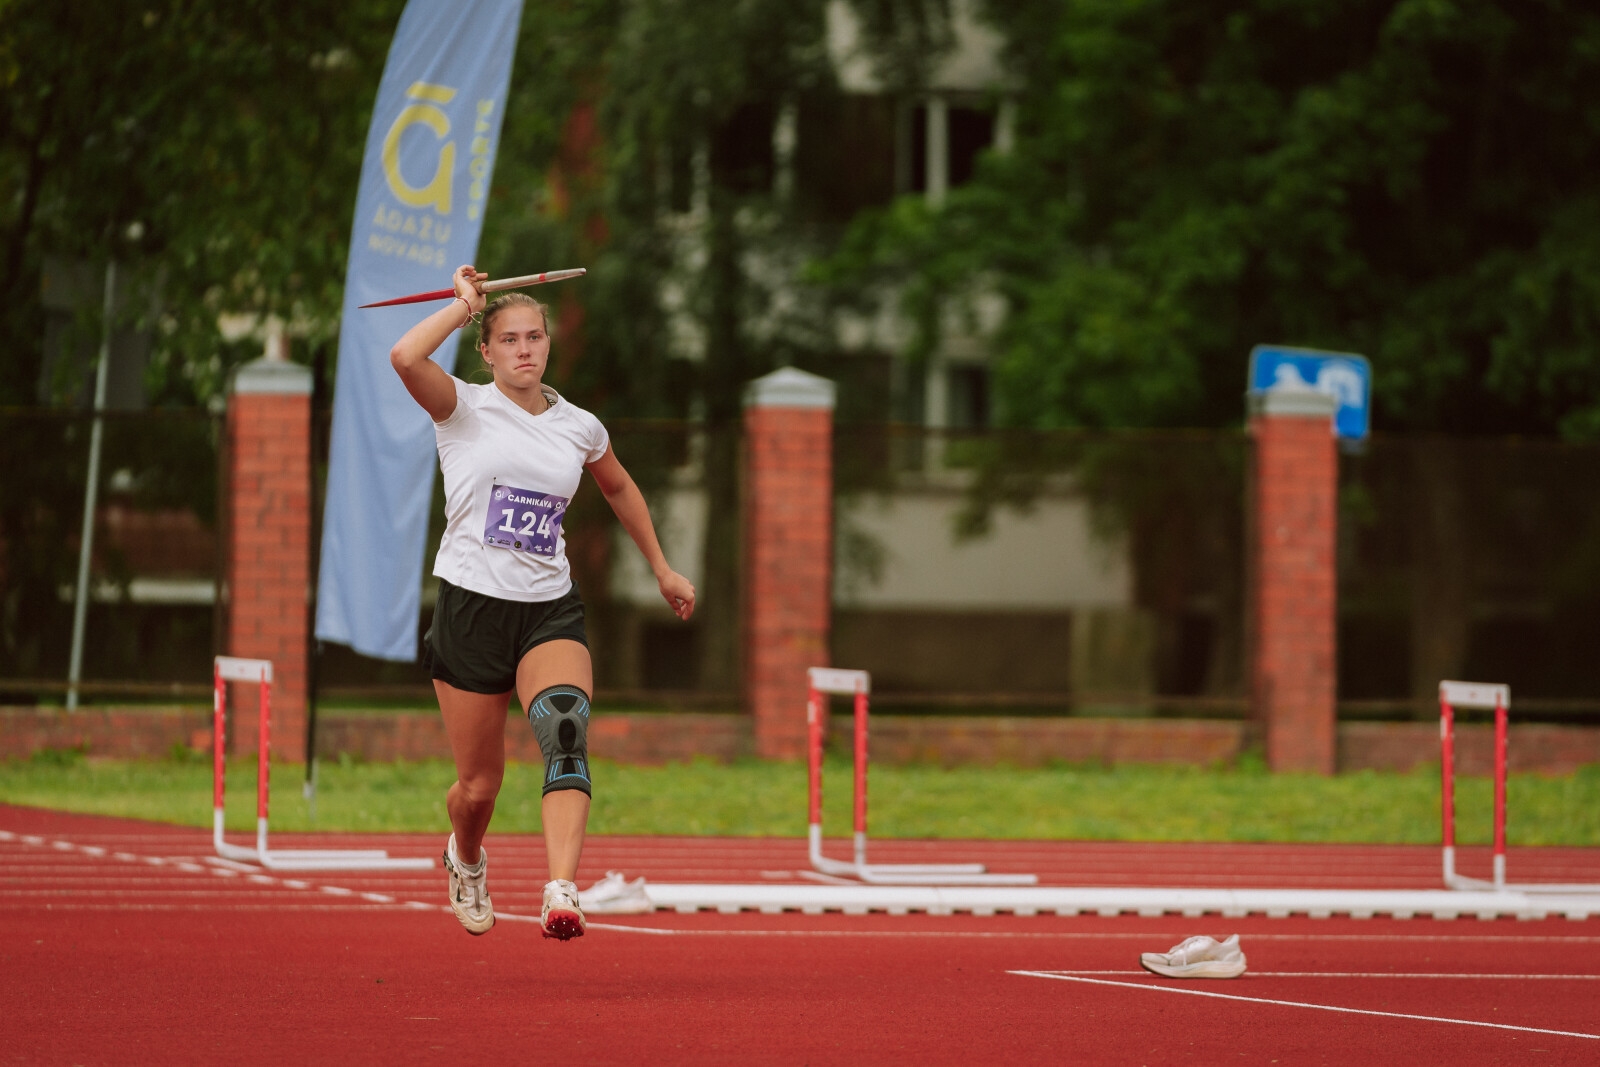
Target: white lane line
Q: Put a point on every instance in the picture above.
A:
(221, 905)
(231, 870)
(1302, 1004)
(1368, 974)
(1060, 935)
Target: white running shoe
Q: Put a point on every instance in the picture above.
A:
(615, 895)
(469, 889)
(561, 918)
(1197, 957)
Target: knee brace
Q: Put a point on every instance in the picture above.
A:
(560, 718)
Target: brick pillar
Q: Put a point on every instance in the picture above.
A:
(788, 560)
(269, 545)
(1295, 530)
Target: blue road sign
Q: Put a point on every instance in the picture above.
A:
(1343, 376)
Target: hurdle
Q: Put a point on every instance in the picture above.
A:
(824, 681)
(1483, 696)
(227, 669)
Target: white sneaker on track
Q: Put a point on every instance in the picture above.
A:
(1197, 957)
(561, 917)
(469, 889)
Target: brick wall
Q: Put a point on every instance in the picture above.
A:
(677, 737)
(125, 733)
(269, 544)
(652, 738)
(1294, 582)
(1032, 742)
(788, 538)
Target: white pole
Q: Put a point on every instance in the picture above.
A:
(91, 491)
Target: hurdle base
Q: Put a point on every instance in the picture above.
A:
(1498, 884)
(930, 874)
(308, 859)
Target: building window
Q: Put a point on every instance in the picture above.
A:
(845, 155)
(971, 131)
(967, 398)
(958, 134)
(741, 150)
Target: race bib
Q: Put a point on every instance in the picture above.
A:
(523, 520)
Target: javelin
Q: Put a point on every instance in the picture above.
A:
(485, 287)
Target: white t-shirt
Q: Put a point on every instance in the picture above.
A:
(508, 477)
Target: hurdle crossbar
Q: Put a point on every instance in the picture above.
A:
(824, 681)
(1483, 696)
(233, 669)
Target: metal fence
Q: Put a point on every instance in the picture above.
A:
(1470, 558)
(994, 571)
(153, 619)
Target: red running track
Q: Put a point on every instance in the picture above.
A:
(118, 944)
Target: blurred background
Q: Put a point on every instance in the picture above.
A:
(1033, 242)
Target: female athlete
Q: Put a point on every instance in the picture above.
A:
(508, 616)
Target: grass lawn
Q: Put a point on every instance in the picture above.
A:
(752, 797)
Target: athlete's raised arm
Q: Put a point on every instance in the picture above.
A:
(626, 500)
(424, 379)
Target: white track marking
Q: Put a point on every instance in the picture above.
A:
(321, 907)
(1078, 935)
(227, 869)
(1377, 974)
(155, 883)
(1060, 977)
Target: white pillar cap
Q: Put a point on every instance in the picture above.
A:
(789, 387)
(1305, 403)
(272, 376)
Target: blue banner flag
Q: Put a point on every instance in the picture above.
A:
(419, 211)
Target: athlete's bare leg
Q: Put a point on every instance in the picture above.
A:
(476, 726)
(566, 811)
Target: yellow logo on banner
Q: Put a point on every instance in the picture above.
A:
(436, 193)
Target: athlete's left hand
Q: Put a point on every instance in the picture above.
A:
(678, 593)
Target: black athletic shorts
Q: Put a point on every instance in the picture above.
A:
(476, 641)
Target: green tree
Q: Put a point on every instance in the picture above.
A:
(216, 144)
(1411, 179)
(639, 143)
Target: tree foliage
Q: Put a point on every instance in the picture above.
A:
(1415, 180)
(216, 144)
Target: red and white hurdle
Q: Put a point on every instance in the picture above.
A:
(824, 681)
(1483, 696)
(233, 669)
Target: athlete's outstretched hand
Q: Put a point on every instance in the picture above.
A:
(678, 593)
